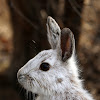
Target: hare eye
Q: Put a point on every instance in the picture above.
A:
(44, 67)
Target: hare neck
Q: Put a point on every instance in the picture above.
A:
(73, 94)
(57, 97)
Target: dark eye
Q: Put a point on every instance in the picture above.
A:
(44, 67)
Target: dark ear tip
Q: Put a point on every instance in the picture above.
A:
(66, 30)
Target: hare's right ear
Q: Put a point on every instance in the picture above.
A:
(54, 33)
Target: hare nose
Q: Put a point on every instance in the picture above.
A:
(20, 76)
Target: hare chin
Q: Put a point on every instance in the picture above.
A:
(26, 85)
(31, 86)
(34, 87)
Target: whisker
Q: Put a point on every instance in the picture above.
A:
(33, 96)
(21, 89)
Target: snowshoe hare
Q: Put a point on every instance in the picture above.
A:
(53, 74)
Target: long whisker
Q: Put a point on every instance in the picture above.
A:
(20, 88)
(33, 96)
(26, 95)
(38, 82)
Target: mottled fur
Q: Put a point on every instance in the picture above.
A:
(61, 81)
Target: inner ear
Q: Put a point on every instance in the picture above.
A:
(67, 43)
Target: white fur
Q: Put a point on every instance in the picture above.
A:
(60, 82)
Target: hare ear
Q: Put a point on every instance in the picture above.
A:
(54, 33)
(67, 43)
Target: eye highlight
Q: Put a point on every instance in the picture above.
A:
(44, 67)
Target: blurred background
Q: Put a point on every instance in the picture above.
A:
(23, 35)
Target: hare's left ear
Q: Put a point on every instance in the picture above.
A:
(67, 43)
(53, 33)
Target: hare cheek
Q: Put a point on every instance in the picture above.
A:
(59, 80)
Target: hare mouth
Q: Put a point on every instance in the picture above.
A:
(33, 82)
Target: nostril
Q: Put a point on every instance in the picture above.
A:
(20, 76)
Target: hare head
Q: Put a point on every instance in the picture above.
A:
(51, 71)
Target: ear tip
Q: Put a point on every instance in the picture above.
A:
(49, 18)
(66, 30)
